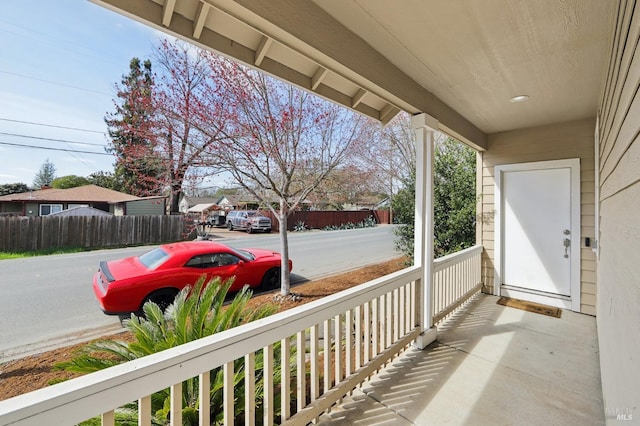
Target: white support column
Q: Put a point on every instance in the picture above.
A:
(424, 127)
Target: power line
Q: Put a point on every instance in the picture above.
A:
(54, 82)
(50, 139)
(52, 125)
(54, 149)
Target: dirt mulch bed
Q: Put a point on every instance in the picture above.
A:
(34, 372)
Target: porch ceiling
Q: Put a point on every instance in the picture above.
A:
(459, 61)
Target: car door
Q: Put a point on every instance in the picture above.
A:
(223, 265)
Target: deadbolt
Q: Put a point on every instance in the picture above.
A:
(566, 232)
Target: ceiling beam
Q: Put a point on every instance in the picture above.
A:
(387, 113)
(200, 19)
(262, 50)
(167, 12)
(317, 78)
(358, 97)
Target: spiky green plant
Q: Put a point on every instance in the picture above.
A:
(195, 313)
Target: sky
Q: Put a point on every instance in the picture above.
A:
(59, 63)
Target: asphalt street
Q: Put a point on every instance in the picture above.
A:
(47, 301)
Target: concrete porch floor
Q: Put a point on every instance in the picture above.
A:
(490, 365)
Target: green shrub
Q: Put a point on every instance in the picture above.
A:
(195, 313)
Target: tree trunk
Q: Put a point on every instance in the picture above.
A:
(285, 278)
(176, 190)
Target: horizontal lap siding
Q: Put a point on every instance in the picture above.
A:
(561, 141)
(618, 303)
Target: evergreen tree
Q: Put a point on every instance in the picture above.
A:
(137, 168)
(454, 197)
(13, 188)
(454, 201)
(69, 181)
(105, 180)
(45, 176)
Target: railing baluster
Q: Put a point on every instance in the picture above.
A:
(176, 405)
(348, 342)
(358, 330)
(367, 332)
(412, 298)
(375, 327)
(285, 378)
(249, 391)
(337, 349)
(314, 351)
(204, 398)
(326, 355)
(383, 320)
(229, 393)
(402, 311)
(144, 411)
(301, 353)
(396, 315)
(389, 320)
(268, 385)
(108, 418)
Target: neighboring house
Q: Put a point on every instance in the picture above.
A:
(43, 202)
(238, 201)
(201, 212)
(187, 202)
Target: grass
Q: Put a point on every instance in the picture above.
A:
(19, 255)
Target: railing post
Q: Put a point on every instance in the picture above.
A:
(424, 127)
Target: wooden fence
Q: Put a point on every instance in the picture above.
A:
(321, 219)
(38, 233)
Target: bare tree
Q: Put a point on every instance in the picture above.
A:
(282, 142)
(390, 158)
(190, 114)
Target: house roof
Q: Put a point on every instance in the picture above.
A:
(199, 208)
(86, 194)
(81, 211)
(192, 201)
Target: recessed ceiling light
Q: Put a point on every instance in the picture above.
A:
(519, 98)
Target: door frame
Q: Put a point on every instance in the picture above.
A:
(573, 301)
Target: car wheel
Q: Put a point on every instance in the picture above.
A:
(230, 226)
(249, 229)
(267, 231)
(271, 279)
(162, 298)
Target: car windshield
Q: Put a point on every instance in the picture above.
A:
(252, 214)
(245, 254)
(154, 258)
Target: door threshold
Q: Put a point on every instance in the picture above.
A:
(556, 300)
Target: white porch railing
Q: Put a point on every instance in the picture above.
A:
(456, 277)
(337, 342)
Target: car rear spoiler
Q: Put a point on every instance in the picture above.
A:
(106, 272)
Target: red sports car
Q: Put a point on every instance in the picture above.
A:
(123, 286)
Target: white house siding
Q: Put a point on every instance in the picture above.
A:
(618, 305)
(560, 141)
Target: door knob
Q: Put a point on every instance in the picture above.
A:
(567, 244)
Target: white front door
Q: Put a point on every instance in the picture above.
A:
(537, 232)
